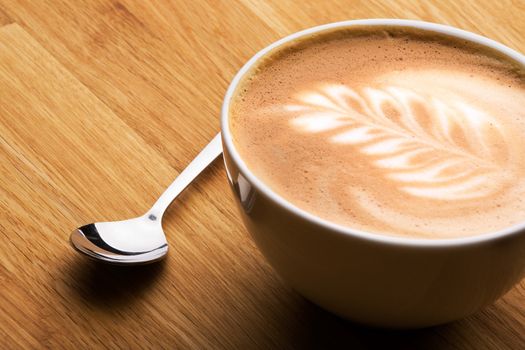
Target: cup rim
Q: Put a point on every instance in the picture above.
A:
(326, 224)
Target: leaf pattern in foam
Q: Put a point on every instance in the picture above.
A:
(430, 148)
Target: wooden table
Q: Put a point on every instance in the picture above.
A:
(102, 103)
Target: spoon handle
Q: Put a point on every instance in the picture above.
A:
(197, 165)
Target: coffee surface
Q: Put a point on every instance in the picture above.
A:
(388, 130)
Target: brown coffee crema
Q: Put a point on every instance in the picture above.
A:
(389, 130)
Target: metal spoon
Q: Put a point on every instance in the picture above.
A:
(140, 240)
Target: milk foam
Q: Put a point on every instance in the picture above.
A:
(430, 148)
(457, 172)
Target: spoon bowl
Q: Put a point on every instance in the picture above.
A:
(140, 240)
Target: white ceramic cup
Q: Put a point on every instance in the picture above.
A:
(373, 279)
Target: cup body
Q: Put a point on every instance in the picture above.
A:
(373, 279)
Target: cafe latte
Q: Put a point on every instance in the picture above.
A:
(389, 130)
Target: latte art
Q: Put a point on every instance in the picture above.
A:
(388, 130)
(412, 137)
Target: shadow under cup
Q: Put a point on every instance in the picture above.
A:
(378, 280)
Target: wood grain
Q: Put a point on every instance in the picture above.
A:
(4, 19)
(102, 103)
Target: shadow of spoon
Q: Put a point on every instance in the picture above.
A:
(110, 286)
